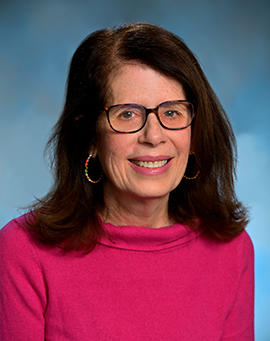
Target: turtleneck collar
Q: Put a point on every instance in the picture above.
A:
(145, 238)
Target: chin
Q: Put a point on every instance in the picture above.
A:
(152, 192)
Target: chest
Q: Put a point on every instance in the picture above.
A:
(131, 296)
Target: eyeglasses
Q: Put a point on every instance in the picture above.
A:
(130, 118)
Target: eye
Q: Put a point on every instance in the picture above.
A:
(171, 113)
(127, 114)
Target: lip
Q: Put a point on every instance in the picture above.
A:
(151, 158)
(151, 171)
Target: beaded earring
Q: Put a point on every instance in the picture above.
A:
(86, 170)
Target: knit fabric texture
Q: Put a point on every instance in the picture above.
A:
(138, 284)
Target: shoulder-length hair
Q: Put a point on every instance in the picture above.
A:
(67, 216)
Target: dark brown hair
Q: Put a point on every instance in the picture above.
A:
(67, 215)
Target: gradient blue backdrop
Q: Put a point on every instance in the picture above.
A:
(231, 41)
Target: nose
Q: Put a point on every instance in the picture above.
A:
(152, 133)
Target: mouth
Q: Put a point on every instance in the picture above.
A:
(150, 164)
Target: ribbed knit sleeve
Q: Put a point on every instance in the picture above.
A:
(239, 324)
(23, 291)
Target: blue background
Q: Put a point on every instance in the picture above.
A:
(232, 42)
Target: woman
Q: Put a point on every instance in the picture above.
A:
(145, 239)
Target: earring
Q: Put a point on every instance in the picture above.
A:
(197, 173)
(86, 170)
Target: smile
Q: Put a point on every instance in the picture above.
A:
(150, 164)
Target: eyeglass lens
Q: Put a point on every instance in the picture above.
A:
(132, 117)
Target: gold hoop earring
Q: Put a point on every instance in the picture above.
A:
(86, 171)
(197, 173)
(192, 177)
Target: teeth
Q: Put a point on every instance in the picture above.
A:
(150, 164)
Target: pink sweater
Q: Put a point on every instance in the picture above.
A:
(143, 284)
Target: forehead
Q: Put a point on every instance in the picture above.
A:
(138, 83)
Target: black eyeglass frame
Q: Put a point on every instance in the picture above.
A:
(147, 112)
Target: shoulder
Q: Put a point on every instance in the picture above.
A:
(235, 254)
(240, 251)
(240, 244)
(245, 249)
(15, 227)
(244, 240)
(15, 237)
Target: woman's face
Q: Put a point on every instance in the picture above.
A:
(120, 154)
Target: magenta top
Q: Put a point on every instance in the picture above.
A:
(140, 284)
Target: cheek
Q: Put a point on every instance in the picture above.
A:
(183, 142)
(112, 152)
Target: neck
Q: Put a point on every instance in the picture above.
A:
(125, 209)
